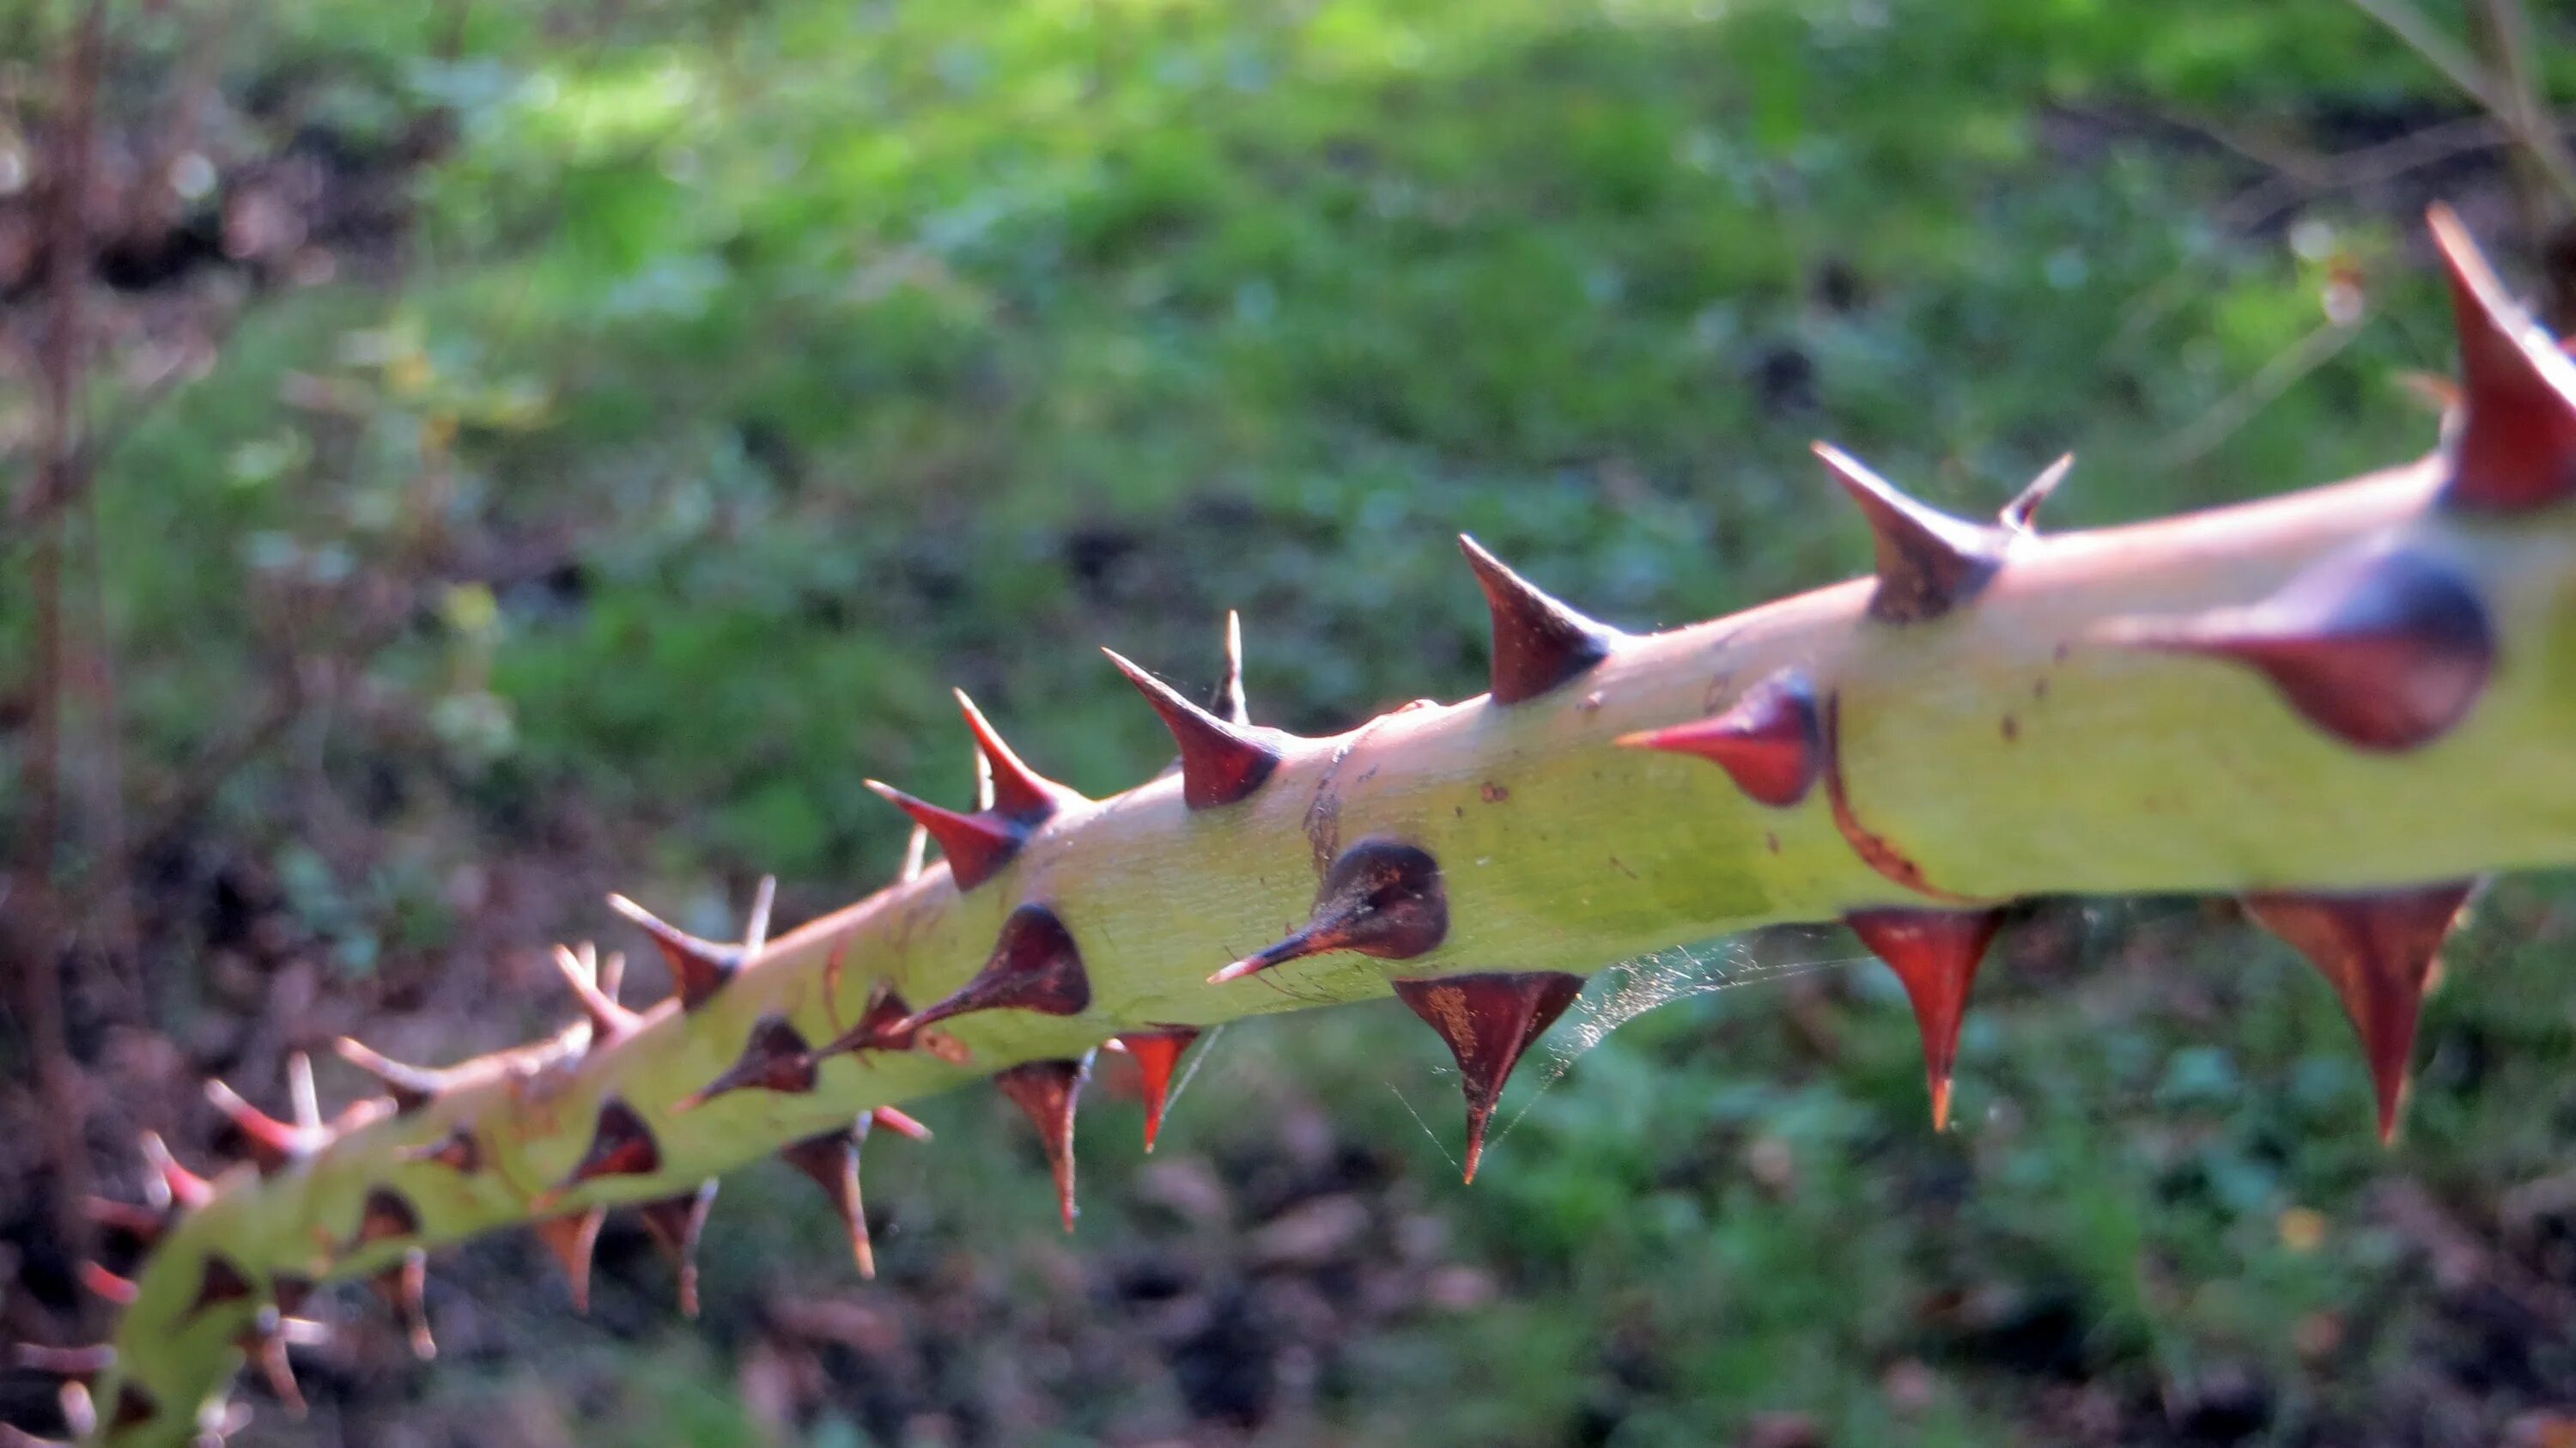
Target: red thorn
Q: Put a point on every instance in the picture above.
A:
(1539, 643)
(1035, 966)
(175, 1185)
(134, 1408)
(107, 1286)
(1380, 898)
(387, 1216)
(77, 1364)
(1157, 1052)
(272, 1145)
(2377, 948)
(219, 1282)
(1935, 954)
(776, 1058)
(2385, 648)
(882, 1027)
(2021, 515)
(144, 1224)
(1020, 794)
(620, 1145)
(1221, 762)
(676, 1224)
(1928, 562)
(2515, 448)
(699, 968)
(457, 1151)
(572, 1240)
(609, 1021)
(1770, 741)
(411, 1087)
(265, 1346)
(1048, 1091)
(976, 845)
(899, 1123)
(832, 1160)
(405, 1288)
(1488, 1020)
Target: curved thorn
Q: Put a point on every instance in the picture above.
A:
(1771, 741)
(1928, 562)
(621, 1144)
(775, 1058)
(1380, 897)
(573, 1241)
(2385, 648)
(302, 1098)
(1048, 1092)
(899, 1123)
(2515, 445)
(755, 929)
(676, 1224)
(2022, 514)
(1935, 955)
(1158, 1053)
(2378, 949)
(1228, 700)
(976, 845)
(1538, 642)
(405, 1288)
(832, 1161)
(699, 968)
(609, 1021)
(1487, 1020)
(272, 1145)
(106, 1286)
(411, 1087)
(1035, 966)
(169, 1184)
(1020, 793)
(1221, 762)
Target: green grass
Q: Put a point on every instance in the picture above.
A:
(758, 371)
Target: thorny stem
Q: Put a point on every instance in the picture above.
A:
(2344, 703)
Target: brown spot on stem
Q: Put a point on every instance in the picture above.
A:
(1874, 850)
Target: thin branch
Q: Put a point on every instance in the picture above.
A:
(2545, 145)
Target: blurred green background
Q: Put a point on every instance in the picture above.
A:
(554, 447)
